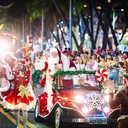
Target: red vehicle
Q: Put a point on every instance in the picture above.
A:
(74, 100)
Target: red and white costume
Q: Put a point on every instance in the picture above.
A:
(6, 74)
(7, 78)
(42, 65)
(56, 61)
(17, 93)
(20, 96)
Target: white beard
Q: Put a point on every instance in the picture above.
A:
(51, 63)
(54, 60)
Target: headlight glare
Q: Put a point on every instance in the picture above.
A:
(79, 98)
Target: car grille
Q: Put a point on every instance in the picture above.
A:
(93, 102)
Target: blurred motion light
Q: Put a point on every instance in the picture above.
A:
(39, 39)
(79, 98)
(122, 10)
(13, 41)
(85, 6)
(1, 26)
(109, 1)
(106, 109)
(98, 7)
(85, 110)
(3, 46)
(86, 36)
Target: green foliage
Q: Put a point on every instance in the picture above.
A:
(78, 6)
(39, 6)
(63, 73)
(35, 14)
(125, 43)
(36, 76)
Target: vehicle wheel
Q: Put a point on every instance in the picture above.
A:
(58, 116)
(36, 112)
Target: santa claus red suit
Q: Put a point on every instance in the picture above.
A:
(54, 62)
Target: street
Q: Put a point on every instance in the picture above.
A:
(7, 119)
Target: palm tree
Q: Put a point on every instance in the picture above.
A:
(29, 13)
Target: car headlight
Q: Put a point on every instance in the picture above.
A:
(85, 110)
(106, 98)
(79, 98)
(106, 109)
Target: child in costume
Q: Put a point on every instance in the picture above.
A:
(19, 95)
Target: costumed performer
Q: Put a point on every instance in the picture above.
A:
(9, 61)
(6, 83)
(20, 97)
(56, 61)
(42, 66)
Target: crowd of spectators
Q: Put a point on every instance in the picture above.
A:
(115, 62)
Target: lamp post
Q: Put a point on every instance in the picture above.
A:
(70, 24)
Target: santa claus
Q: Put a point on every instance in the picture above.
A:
(54, 62)
(59, 61)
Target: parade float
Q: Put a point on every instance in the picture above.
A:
(74, 99)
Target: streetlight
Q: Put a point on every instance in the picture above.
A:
(70, 24)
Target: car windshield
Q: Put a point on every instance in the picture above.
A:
(77, 81)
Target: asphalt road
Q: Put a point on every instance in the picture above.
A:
(7, 119)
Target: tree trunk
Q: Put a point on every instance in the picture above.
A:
(64, 19)
(89, 32)
(104, 28)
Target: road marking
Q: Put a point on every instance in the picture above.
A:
(28, 122)
(13, 120)
(10, 117)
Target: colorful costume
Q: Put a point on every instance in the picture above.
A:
(20, 97)
(7, 78)
(56, 61)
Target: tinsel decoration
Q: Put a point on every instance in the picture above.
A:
(70, 73)
(36, 77)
